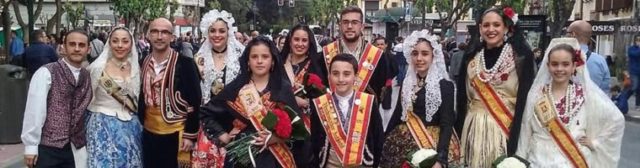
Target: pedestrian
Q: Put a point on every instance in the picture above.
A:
(38, 53)
(497, 74)
(456, 60)
(424, 118)
(16, 49)
(260, 86)
(240, 37)
(568, 122)
(598, 69)
(400, 60)
(114, 132)
(53, 130)
(217, 62)
(375, 73)
(537, 54)
(333, 114)
(169, 102)
(633, 59)
(187, 48)
(96, 47)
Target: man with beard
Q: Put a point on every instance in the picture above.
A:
(169, 101)
(374, 73)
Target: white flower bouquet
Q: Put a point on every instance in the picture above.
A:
(510, 162)
(423, 158)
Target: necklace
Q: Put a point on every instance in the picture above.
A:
(120, 64)
(502, 66)
(419, 85)
(220, 52)
(565, 113)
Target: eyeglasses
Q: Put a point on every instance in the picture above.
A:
(350, 22)
(155, 32)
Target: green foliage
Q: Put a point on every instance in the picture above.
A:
(75, 12)
(214, 4)
(138, 10)
(325, 10)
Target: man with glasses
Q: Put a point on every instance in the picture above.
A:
(374, 73)
(633, 58)
(597, 65)
(169, 101)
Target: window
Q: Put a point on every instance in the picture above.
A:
(394, 4)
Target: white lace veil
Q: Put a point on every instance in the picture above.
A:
(605, 122)
(234, 51)
(436, 72)
(97, 67)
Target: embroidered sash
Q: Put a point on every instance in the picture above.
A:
(494, 104)
(349, 146)
(120, 94)
(546, 114)
(419, 132)
(298, 86)
(255, 111)
(366, 66)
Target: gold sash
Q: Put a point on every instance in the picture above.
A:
(112, 88)
(298, 86)
(494, 104)
(255, 111)
(349, 146)
(367, 63)
(547, 116)
(424, 138)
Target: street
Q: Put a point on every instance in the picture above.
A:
(630, 146)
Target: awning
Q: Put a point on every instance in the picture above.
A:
(180, 21)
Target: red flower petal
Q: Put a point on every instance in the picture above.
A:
(509, 12)
(406, 165)
(504, 77)
(283, 126)
(388, 83)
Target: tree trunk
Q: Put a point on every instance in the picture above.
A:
(54, 21)
(6, 25)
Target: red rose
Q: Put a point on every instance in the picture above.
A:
(283, 126)
(504, 77)
(406, 165)
(388, 83)
(315, 80)
(509, 12)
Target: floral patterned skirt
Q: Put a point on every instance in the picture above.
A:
(399, 143)
(206, 154)
(112, 142)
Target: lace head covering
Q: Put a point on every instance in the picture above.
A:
(602, 115)
(234, 50)
(435, 73)
(97, 67)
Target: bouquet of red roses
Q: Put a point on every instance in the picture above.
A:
(282, 121)
(311, 87)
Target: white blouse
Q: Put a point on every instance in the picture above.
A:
(104, 103)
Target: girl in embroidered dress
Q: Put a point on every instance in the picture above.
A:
(226, 116)
(425, 97)
(592, 124)
(113, 129)
(217, 62)
(492, 94)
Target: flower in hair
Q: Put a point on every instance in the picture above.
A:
(511, 14)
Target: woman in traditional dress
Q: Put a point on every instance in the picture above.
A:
(262, 78)
(425, 103)
(113, 129)
(301, 59)
(217, 62)
(498, 73)
(569, 121)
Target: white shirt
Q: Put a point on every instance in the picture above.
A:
(344, 104)
(35, 112)
(159, 66)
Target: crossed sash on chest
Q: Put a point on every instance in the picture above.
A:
(366, 65)
(253, 107)
(546, 114)
(424, 136)
(348, 143)
(122, 95)
(298, 86)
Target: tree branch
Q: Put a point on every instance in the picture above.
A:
(38, 9)
(16, 9)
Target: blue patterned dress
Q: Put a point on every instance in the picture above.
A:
(113, 133)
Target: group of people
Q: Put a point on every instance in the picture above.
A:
(169, 110)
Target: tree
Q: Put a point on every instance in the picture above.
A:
(6, 25)
(173, 7)
(558, 12)
(454, 11)
(56, 19)
(214, 4)
(138, 12)
(27, 27)
(324, 11)
(75, 13)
